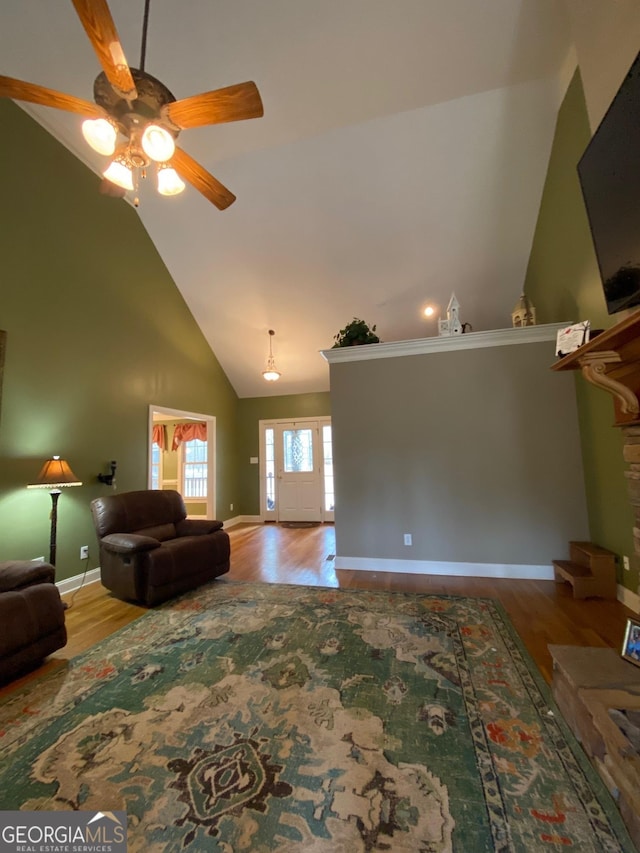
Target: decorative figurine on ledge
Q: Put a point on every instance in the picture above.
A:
(524, 314)
(452, 325)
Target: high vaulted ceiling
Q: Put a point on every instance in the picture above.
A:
(401, 157)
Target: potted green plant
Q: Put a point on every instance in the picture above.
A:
(355, 333)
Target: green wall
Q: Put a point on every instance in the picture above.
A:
(563, 282)
(97, 331)
(251, 410)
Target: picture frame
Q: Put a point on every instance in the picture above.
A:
(631, 642)
(571, 338)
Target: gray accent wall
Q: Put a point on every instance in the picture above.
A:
(474, 452)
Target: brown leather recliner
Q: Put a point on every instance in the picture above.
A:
(31, 616)
(150, 551)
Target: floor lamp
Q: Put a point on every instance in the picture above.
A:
(55, 475)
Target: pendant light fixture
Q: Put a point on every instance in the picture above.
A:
(271, 374)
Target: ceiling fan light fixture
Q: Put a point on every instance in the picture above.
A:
(100, 134)
(131, 103)
(119, 172)
(271, 374)
(169, 181)
(157, 143)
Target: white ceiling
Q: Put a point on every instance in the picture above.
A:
(401, 157)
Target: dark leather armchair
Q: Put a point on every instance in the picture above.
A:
(31, 616)
(150, 551)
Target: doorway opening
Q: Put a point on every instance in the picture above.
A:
(182, 456)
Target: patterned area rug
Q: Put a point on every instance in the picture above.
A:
(256, 717)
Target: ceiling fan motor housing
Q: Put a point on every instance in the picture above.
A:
(132, 116)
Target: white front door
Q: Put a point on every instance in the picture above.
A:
(297, 461)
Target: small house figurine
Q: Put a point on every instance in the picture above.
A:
(524, 314)
(452, 325)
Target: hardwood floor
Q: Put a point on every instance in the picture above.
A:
(541, 611)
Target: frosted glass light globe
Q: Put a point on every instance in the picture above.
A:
(100, 134)
(158, 143)
(119, 174)
(169, 182)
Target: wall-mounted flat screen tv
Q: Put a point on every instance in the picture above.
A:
(609, 173)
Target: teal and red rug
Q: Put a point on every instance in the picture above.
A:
(259, 718)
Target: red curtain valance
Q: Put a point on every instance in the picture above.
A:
(187, 432)
(159, 436)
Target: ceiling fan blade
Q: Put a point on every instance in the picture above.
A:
(98, 24)
(198, 177)
(19, 90)
(233, 103)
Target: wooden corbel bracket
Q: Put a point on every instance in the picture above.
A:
(594, 370)
(611, 361)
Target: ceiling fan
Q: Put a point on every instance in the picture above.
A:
(136, 118)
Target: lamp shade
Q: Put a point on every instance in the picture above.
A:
(271, 374)
(55, 474)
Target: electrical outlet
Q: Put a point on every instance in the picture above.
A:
(408, 539)
(84, 552)
(625, 563)
(231, 506)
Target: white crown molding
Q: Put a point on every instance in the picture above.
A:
(470, 340)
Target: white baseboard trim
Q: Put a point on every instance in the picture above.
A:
(74, 583)
(429, 567)
(629, 598)
(243, 519)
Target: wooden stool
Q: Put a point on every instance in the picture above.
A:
(590, 569)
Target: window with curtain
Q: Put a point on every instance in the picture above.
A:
(192, 437)
(194, 469)
(188, 432)
(158, 445)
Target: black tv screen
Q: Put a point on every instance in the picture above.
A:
(609, 173)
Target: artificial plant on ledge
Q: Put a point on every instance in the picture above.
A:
(355, 333)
